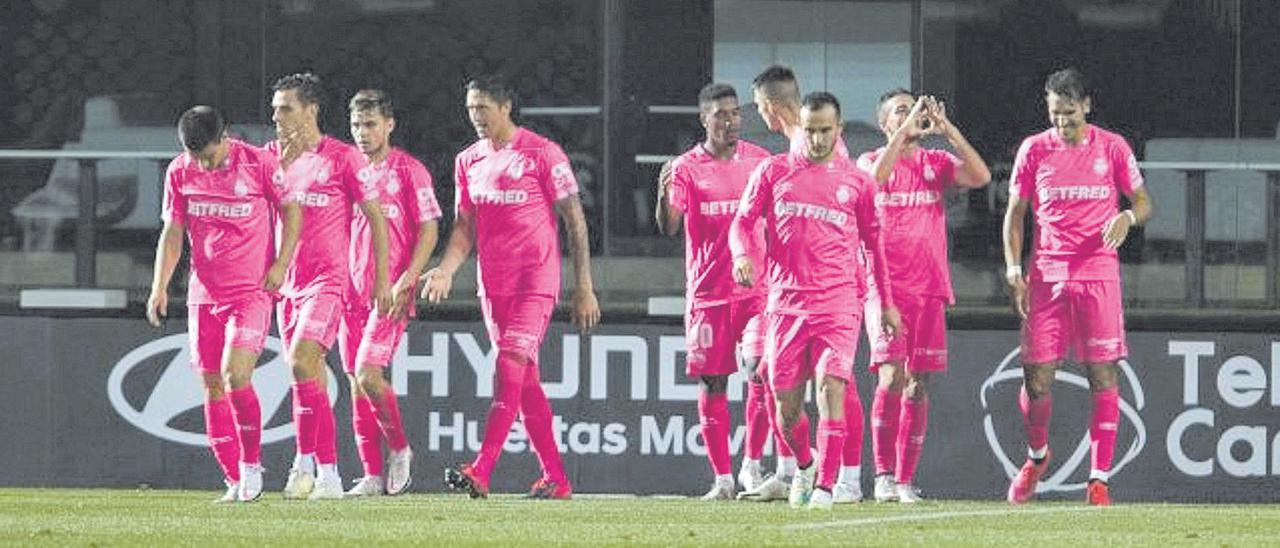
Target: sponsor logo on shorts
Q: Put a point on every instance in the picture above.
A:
(1071, 473)
(154, 383)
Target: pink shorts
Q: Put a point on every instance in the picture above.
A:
(1084, 316)
(212, 328)
(922, 342)
(799, 348)
(712, 334)
(517, 323)
(366, 338)
(313, 318)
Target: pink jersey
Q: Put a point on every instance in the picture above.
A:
(817, 218)
(913, 216)
(227, 213)
(707, 191)
(1073, 191)
(512, 193)
(320, 263)
(408, 201)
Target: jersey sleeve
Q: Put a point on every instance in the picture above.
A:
(751, 208)
(678, 193)
(868, 218)
(1124, 167)
(175, 203)
(558, 178)
(424, 195)
(461, 196)
(867, 162)
(1022, 181)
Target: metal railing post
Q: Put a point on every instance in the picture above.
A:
(1273, 239)
(86, 237)
(1195, 242)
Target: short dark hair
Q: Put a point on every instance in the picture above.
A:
(884, 97)
(777, 83)
(1069, 83)
(493, 85)
(819, 99)
(308, 86)
(714, 92)
(372, 99)
(199, 126)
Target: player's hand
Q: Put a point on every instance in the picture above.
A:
(274, 278)
(918, 122)
(1116, 230)
(402, 294)
(157, 307)
(891, 321)
(436, 285)
(936, 112)
(291, 145)
(585, 313)
(382, 297)
(1018, 293)
(743, 271)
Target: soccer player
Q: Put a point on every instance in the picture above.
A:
(911, 182)
(366, 339)
(318, 281)
(701, 191)
(223, 193)
(1072, 174)
(819, 212)
(511, 185)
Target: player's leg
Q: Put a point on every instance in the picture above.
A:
(926, 335)
(302, 474)
(1044, 336)
(534, 314)
(886, 410)
(246, 335)
(319, 319)
(710, 340)
(834, 346)
(380, 338)
(1101, 322)
(755, 409)
(206, 335)
(364, 421)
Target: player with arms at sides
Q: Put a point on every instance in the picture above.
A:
(223, 194)
(366, 339)
(819, 212)
(912, 180)
(512, 184)
(318, 283)
(1072, 174)
(701, 191)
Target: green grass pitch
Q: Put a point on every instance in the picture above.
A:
(67, 517)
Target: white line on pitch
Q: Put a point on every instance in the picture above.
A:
(936, 517)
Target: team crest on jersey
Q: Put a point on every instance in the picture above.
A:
(322, 174)
(929, 174)
(365, 174)
(241, 189)
(1100, 166)
(842, 194)
(519, 166)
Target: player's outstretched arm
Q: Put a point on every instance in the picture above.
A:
(973, 172)
(1014, 219)
(585, 313)
(291, 213)
(669, 218)
(437, 282)
(168, 251)
(381, 286)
